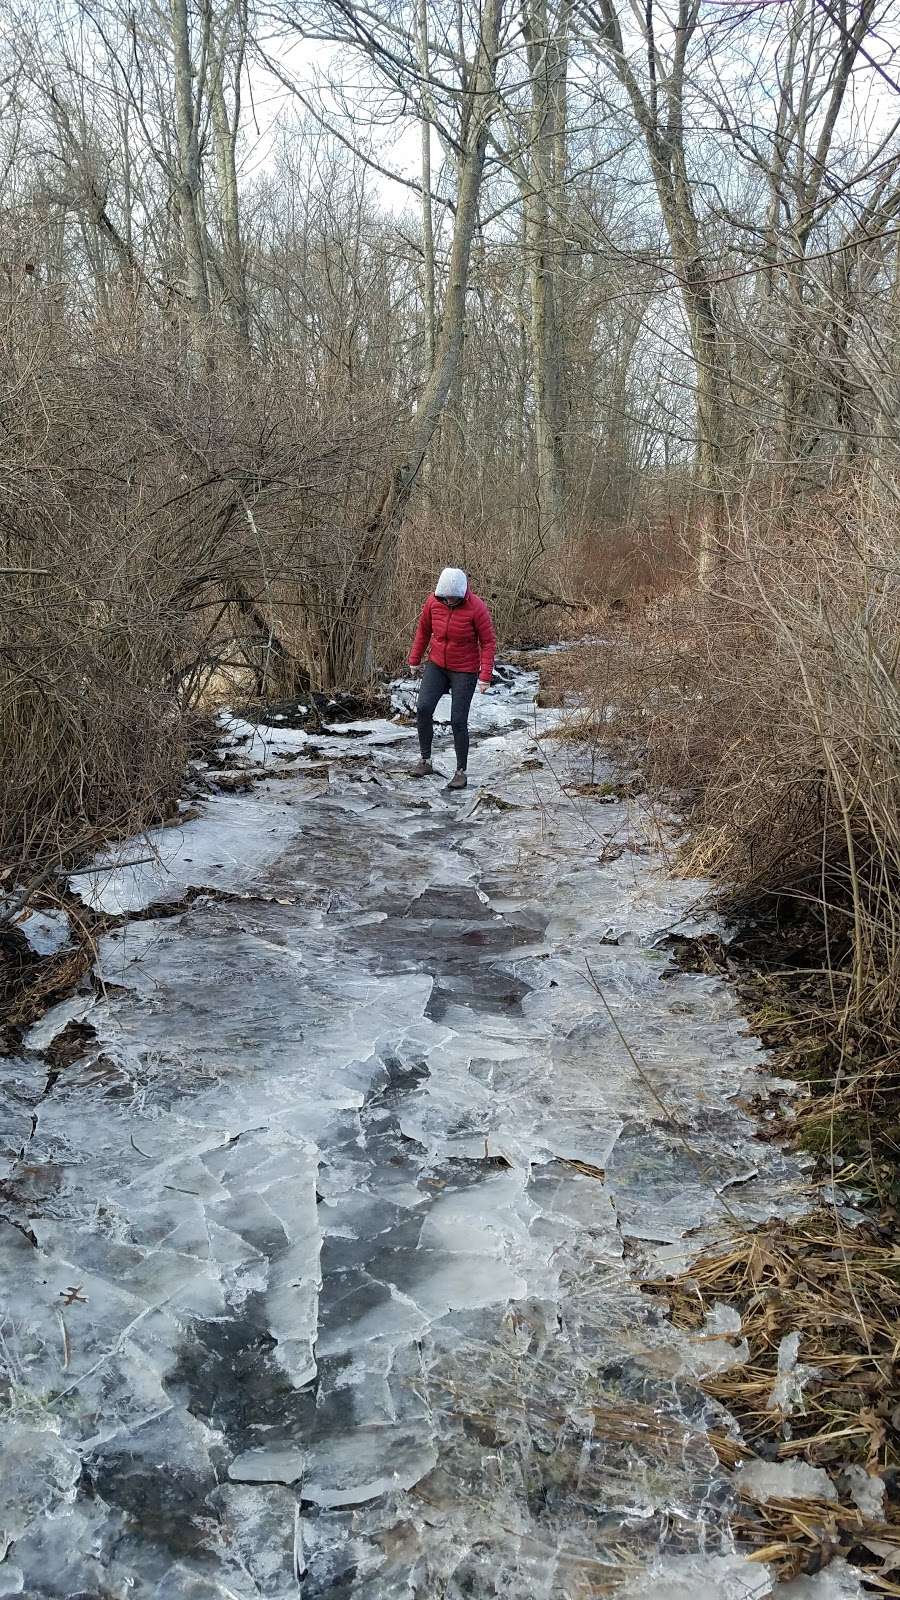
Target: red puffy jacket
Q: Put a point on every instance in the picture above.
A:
(462, 637)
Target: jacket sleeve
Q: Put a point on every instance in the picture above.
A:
(487, 641)
(423, 635)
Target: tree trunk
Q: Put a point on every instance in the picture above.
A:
(707, 353)
(427, 210)
(225, 130)
(546, 71)
(662, 128)
(350, 651)
(186, 122)
(429, 307)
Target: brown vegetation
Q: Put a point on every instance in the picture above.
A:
(157, 526)
(766, 712)
(836, 1288)
(770, 710)
(174, 539)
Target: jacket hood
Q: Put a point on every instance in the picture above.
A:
(452, 584)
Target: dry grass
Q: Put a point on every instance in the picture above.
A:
(839, 1289)
(770, 711)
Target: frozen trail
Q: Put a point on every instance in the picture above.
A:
(320, 1262)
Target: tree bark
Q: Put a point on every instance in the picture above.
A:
(427, 209)
(189, 177)
(225, 129)
(547, 70)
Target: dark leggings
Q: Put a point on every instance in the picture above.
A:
(436, 681)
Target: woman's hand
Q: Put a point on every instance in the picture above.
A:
(483, 688)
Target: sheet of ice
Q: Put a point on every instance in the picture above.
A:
(260, 742)
(784, 1480)
(703, 1577)
(315, 1259)
(838, 1582)
(227, 847)
(378, 732)
(47, 932)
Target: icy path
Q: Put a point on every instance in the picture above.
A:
(338, 1220)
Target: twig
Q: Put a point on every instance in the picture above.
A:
(65, 1340)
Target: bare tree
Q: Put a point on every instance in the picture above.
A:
(354, 634)
(228, 49)
(657, 97)
(544, 184)
(191, 66)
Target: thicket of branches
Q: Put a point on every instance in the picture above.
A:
(300, 299)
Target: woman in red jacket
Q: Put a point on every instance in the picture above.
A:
(456, 628)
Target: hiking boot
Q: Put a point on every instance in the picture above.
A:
(422, 769)
(458, 781)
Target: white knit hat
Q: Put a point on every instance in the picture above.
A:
(452, 584)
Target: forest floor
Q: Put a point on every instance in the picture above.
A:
(349, 1197)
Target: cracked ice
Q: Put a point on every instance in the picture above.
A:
(347, 1185)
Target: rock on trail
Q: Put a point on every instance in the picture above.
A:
(320, 1263)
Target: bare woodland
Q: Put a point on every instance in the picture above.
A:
(301, 298)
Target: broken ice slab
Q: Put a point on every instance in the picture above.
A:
(700, 1577)
(268, 1464)
(783, 1480)
(227, 847)
(257, 742)
(437, 1284)
(58, 1555)
(788, 1393)
(663, 1189)
(365, 1464)
(838, 1582)
(867, 1491)
(259, 1522)
(47, 932)
(41, 1034)
(712, 1351)
(23, 1085)
(38, 1473)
